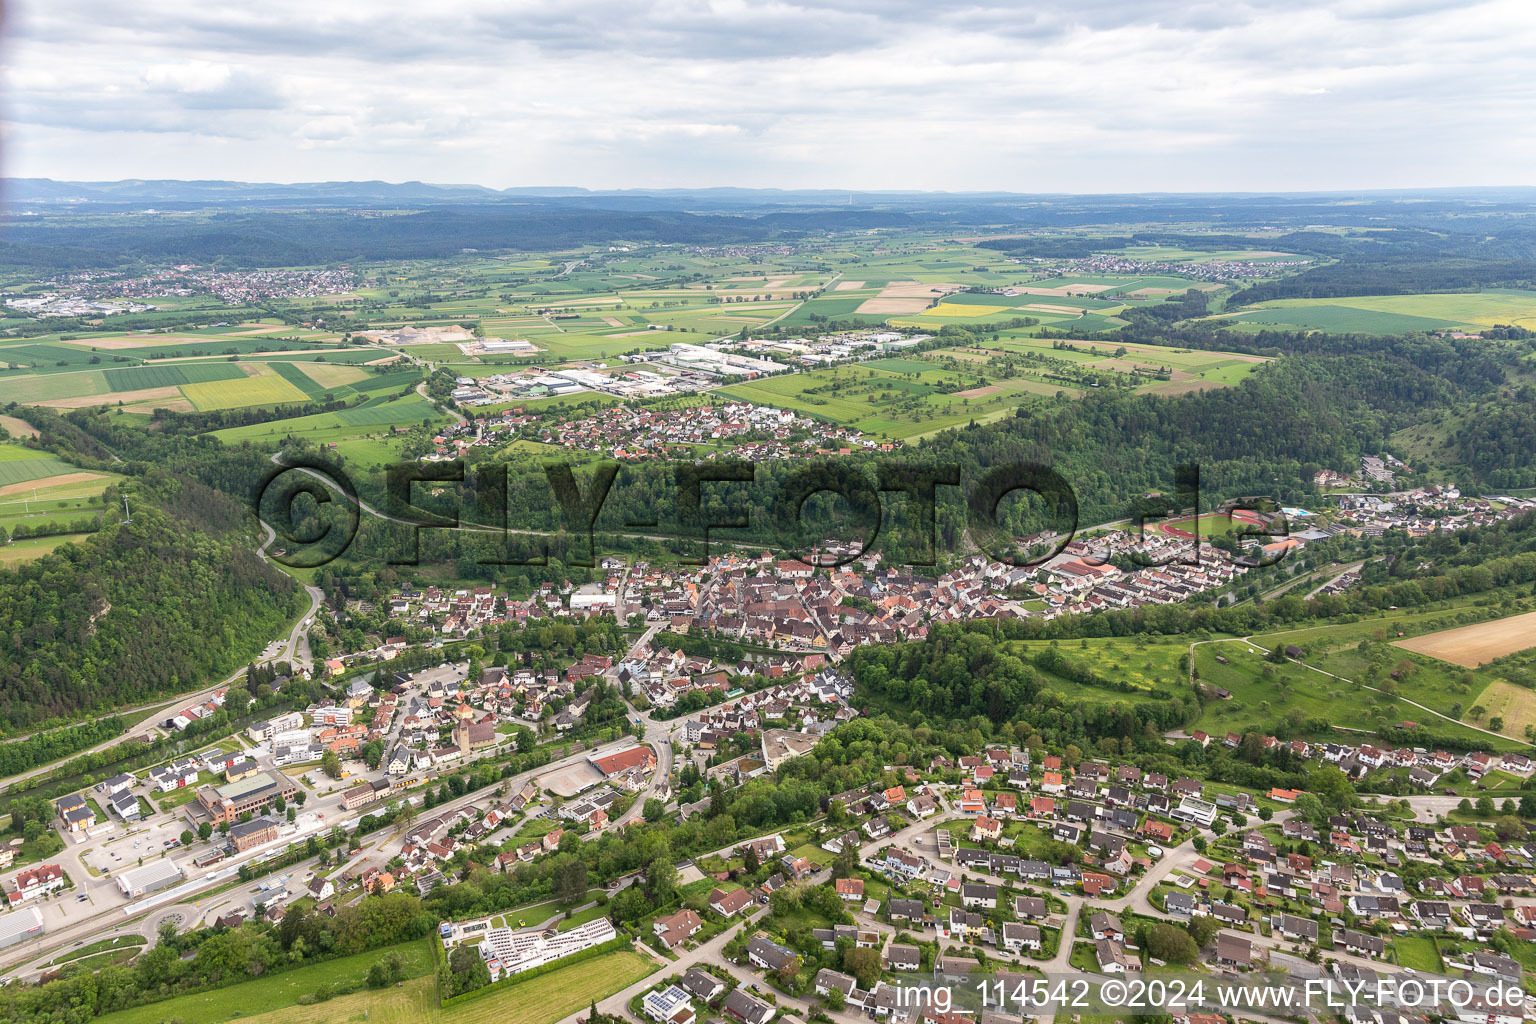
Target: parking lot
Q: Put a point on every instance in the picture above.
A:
(571, 779)
(139, 842)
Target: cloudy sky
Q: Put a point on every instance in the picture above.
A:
(1055, 95)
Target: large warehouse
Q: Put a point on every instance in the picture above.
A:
(20, 925)
(152, 877)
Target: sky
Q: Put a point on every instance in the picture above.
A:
(1049, 96)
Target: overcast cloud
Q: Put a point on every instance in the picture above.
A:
(1063, 95)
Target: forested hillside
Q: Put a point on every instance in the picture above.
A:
(174, 599)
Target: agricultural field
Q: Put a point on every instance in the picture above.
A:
(264, 387)
(41, 494)
(1513, 705)
(1393, 314)
(206, 384)
(889, 403)
(1389, 626)
(367, 421)
(18, 551)
(1474, 645)
(1091, 364)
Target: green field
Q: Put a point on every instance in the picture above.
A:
(1263, 692)
(337, 426)
(268, 389)
(171, 375)
(31, 389)
(1418, 952)
(18, 465)
(275, 991)
(896, 403)
(541, 1000)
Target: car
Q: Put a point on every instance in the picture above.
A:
(81, 898)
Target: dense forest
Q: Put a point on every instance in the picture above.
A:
(173, 599)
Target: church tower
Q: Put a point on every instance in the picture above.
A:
(465, 717)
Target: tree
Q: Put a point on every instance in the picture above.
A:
(1332, 787)
(1508, 827)
(205, 830)
(330, 763)
(1202, 929)
(1311, 810)
(1171, 944)
(187, 837)
(1485, 806)
(863, 964)
(569, 878)
(660, 881)
(654, 810)
(749, 860)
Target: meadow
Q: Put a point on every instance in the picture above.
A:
(542, 1000)
(276, 991)
(1262, 692)
(1144, 665)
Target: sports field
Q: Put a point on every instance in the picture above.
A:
(1474, 645)
(1208, 526)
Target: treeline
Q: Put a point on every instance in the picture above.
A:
(218, 419)
(209, 958)
(25, 754)
(305, 238)
(53, 526)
